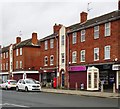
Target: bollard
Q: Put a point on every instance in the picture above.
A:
(102, 88)
(76, 86)
(114, 91)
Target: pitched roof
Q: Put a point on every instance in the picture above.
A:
(26, 43)
(4, 49)
(95, 21)
(49, 37)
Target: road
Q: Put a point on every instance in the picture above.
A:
(12, 98)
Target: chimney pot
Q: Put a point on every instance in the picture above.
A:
(18, 40)
(83, 17)
(56, 28)
(34, 38)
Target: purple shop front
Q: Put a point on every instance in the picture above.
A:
(77, 68)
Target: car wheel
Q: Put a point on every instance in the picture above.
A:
(17, 89)
(26, 89)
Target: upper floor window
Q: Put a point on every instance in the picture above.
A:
(45, 61)
(16, 52)
(1, 66)
(63, 57)
(74, 38)
(96, 54)
(51, 60)
(1, 55)
(51, 43)
(96, 32)
(20, 64)
(6, 54)
(62, 40)
(46, 45)
(20, 51)
(107, 52)
(7, 66)
(16, 64)
(82, 56)
(107, 29)
(82, 35)
(74, 57)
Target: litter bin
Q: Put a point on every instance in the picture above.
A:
(81, 86)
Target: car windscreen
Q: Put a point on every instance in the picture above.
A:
(13, 82)
(30, 81)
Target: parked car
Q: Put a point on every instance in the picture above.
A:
(28, 85)
(9, 84)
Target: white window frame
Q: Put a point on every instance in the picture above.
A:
(20, 64)
(20, 51)
(51, 60)
(16, 52)
(96, 32)
(1, 66)
(46, 45)
(62, 40)
(107, 52)
(82, 35)
(16, 64)
(74, 56)
(63, 58)
(82, 56)
(96, 53)
(107, 29)
(51, 43)
(6, 65)
(6, 54)
(74, 38)
(46, 61)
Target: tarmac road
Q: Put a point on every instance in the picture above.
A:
(12, 98)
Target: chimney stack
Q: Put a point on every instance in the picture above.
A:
(56, 28)
(34, 38)
(83, 17)
(119, 5)
(18, 40)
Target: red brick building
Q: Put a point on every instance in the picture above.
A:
(94, 42)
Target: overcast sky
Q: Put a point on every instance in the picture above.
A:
(40, 16)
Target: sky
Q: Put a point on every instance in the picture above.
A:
(40, 16)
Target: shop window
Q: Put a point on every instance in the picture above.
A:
(95, 80)
(89, 80)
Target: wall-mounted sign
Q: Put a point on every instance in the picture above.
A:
(77, 68)
(116, 67)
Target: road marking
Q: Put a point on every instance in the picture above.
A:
(15, 105)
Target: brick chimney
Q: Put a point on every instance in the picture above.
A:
(18, 40)
(119, 5)
(34, 38)
(56, 28)
(83, 17)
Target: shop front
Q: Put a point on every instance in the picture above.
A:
(77, 77)
(26, 74)
(47, 77)
(116, 68)
(106, 75)
(3, 76)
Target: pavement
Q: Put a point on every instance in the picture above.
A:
(82, 93)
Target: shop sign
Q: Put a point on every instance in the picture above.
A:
(116, 67)
(77, 68)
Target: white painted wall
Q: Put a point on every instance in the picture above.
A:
(62, 48)
(11, 57)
